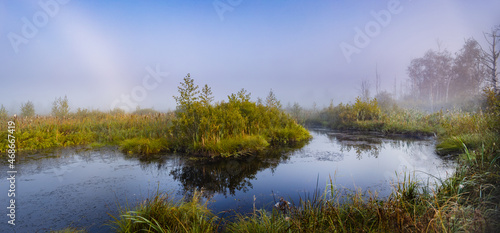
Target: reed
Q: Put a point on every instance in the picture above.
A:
(162, 214)
(86, 128)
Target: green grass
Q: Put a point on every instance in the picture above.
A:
(94, 129)
(236, 146)
(144, 146)
(162, 214)
(260, 221)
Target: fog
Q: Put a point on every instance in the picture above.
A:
(101, 53)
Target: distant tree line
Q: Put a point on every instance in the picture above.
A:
(440, 77)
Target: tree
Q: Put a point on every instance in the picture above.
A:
(206, 96)
(60, 107)
(468, 70)
(430, 75)
(259, 101)
(3, 112)
(244, 95)
(188, 93)
(272, 101)
(28, 109)
(188, 109)
(491, 56)
(296, 111)
(241, 97)
(364, 91)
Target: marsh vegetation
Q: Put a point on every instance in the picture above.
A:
(467, 201)
(197, 127)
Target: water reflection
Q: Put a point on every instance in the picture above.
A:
(368, 144)
(225, 177)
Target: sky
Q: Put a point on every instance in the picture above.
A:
(107, 54)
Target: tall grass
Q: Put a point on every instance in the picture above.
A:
(85, 128)
(162, 214)
(410, 208)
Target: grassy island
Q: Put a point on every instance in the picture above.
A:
(229, 128)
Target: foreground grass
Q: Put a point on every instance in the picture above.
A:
(162, 214)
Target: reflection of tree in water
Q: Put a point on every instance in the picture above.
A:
(361, 144)
(372, 144)
(408, 145)
(226, 176)
(372, 150)
(360, 149)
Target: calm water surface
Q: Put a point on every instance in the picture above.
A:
(79, 188)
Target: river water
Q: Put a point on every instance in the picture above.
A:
(81, 187)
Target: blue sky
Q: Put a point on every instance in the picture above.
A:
(97, 52)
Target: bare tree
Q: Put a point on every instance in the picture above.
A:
(395, 87)
(492, 54)
(430, 75)
(365, 90)
(377, 81)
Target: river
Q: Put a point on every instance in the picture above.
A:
(80, 187)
